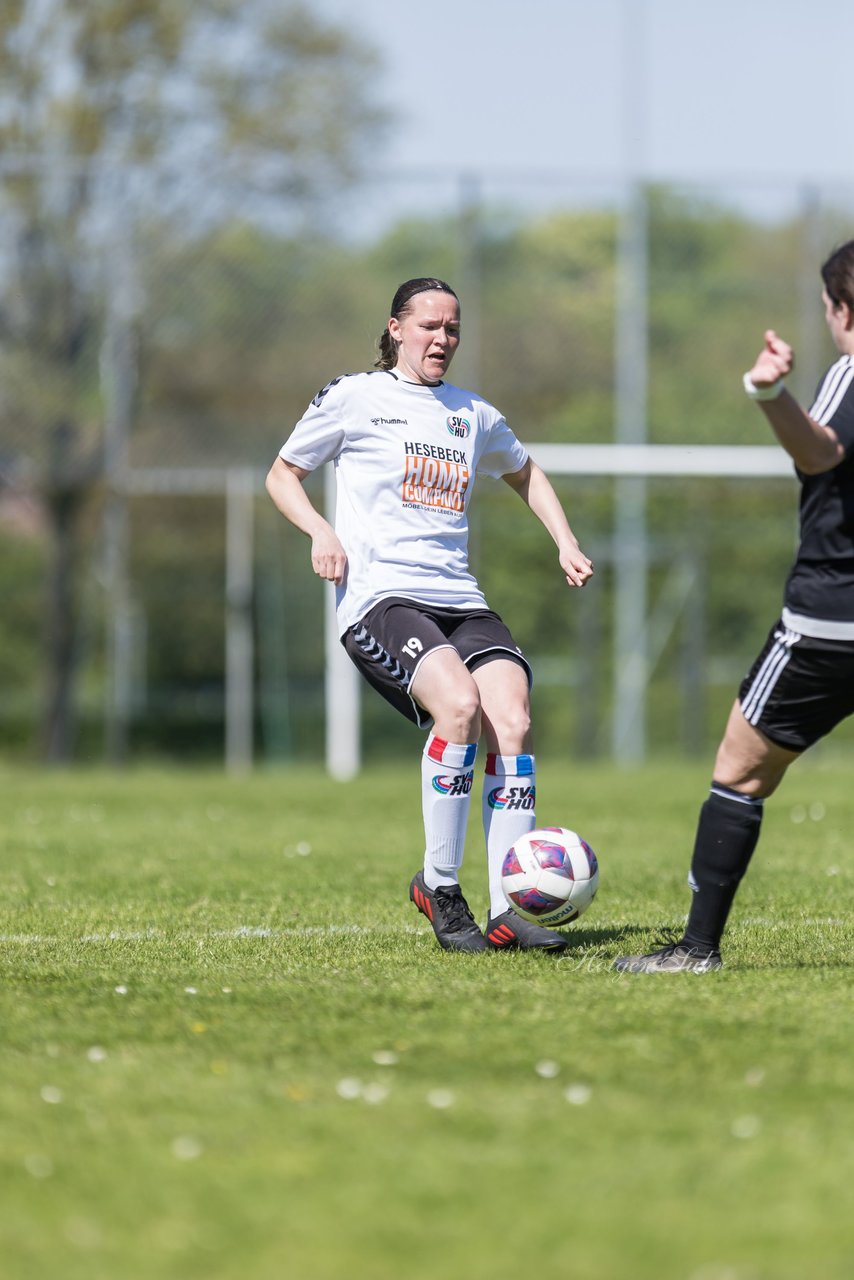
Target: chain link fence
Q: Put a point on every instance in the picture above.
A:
(155, 603)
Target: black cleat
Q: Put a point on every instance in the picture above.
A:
(509, 932)
(678, 957)
(448, 912)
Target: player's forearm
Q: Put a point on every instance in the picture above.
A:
(545, 504)
(812, 447)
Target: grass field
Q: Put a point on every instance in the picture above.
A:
(231, 1047)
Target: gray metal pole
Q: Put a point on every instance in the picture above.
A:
(628, 733)
(343, 702)
(812, 333)
(631, 556)
(468, 361)
(118, 372)
(239, 644)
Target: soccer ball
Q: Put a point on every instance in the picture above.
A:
(550, 876)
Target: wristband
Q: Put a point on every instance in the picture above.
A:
(771, 392)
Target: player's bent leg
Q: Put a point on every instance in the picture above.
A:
(506, 706)
(748, 768)
(747, 761)
(445, 689)
(509, 797)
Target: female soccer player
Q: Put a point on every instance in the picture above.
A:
(802, 684)
(407, 447)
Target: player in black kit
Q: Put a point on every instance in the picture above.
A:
(802, 684)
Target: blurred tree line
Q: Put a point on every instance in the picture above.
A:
(121, 120)
(242, 324)
(178, 282)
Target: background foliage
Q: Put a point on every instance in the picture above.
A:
(173, 299)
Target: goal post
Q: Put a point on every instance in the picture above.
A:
(343, 710)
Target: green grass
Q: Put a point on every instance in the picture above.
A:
(229, 1046)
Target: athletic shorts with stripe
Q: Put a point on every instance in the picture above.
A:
(799, 688)
(394, 638)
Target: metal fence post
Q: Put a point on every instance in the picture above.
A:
(239, 643)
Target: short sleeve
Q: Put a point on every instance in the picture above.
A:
(503, 454)
(319, 435)
(834, 402)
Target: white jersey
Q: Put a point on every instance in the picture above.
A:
(406, 456)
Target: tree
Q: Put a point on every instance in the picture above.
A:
(186, 112)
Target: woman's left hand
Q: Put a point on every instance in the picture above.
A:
(576, 565)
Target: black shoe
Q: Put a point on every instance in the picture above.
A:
(678, 957)
(509, 932)
(448, 912)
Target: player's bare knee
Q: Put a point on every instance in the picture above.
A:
(460, 714)
(511, 727)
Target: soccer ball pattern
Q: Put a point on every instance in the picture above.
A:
(550, 876)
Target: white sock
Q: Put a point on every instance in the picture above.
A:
(447, 770)
(509, 797)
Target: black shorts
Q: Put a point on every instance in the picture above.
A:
(799, 688)
(394, 638)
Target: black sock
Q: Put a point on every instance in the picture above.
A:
(727, 834)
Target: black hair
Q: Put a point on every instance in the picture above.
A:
(838, 275)
(400, 304)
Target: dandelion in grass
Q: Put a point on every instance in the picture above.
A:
(96, 1053)
(38, 1166)
(349, 1088)
(817, 811)
(547, 1069)
(121, 990)
(298, 1092)
(440, 1099)
(745, 1127)
(578, 1094)
(187, 1148)
(375, 1093)
(84, 1233)
(798, 813)
(192, 991)
(384, 1058)
(50, 1093)
(301, 849)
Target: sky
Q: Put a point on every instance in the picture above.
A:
(749, 92)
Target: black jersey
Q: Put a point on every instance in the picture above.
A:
(820, 586)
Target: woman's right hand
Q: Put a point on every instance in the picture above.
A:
(328, 557)
(776, 360)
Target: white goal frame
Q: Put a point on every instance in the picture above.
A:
(641, 461)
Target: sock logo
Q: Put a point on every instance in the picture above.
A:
(454, 784)
(512, 798)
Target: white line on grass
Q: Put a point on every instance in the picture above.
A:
(333, 930)
(243, 931)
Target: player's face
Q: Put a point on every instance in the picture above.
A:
(429, 334)
(840, 323)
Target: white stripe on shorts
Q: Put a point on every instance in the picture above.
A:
(776, 661)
